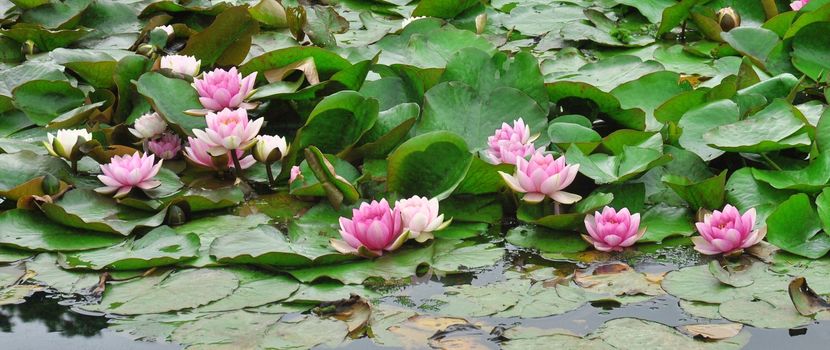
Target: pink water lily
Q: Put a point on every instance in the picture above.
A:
(727, 232)
(222, 89)
(197, 153)
(229, 130)
(510, 142)
(420, 216)
(165, 147)
(373, 229)
(128, 171)
(613, 230)
(149, 126)
(798, 4)
(543, 176)
(295, 174)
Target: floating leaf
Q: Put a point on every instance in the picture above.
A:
(161, 246)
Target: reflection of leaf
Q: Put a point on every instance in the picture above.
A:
(618, 279)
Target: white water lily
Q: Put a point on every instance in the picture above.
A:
(181, 64)
(65, 141)
(265, 147)
(149, 126)
(407, 21)
(168, 29)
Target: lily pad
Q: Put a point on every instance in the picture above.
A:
(29, 230)
(160, 247)
(88, 210)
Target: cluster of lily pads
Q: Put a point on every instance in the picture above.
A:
(262, 159)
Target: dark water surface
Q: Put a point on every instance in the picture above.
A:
(45, 322)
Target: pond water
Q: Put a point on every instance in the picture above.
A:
(49, 321)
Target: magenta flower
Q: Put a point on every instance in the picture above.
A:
(613, 230)
(373, 229)
(128, 171)
(510, 142)
(197, 153)
(420, 217)
(222, 89)
(543, 176)
(798, 4)
(229, 130)
(727, 232)
(165, 147)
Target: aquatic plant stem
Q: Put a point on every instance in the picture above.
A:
(270, 174)
(237, 168)
(770, 162)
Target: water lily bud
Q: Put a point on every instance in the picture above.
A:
(798, 4)
(728, 19)
(50, 184)
(481, 22)
(269, 149)
(146, 50)
(67, 143)
(29, 48)
(175, 216)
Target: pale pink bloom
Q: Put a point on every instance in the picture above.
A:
(165, 147)
(798, 4)
(543, 176)
(197, 152)
(265, 147)
(182, 64)
(510, 142)
(373, 229)
(229, 130)
(128, 171)
(295, 173)
(728, 231)
(420, 217)
(613, 230)
(222, 89)
(149, 126)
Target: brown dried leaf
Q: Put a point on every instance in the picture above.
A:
(713, 331)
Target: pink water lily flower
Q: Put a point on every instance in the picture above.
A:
(229, 130)
(510, 142)
(128, 171)
(373, 229)
(295, 174)
(613, 230)
(197, 153)
(420, 217)
(149, 126)
(222, 89)
(727, 232)
(798, 4)
(165, 147)
(543, 176)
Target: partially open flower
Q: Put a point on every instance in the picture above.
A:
(66, 143)
(167, 29)
(222, 89)
(510, 142)
(229, 130)
(295, 174)
(269, 149)
(128, 171)
(543, 176)
(727, 232)
(149, 126)
(798, 4)
(165, 147)
(613, 230)
(420, 217)
(187, 65)
(197, 153)
(373, 229)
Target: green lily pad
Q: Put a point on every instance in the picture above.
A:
(210, 228)
(700, 120)
(160, 247)
(431, 164)
(266, 245)
(605, 169)
(88, 210)
(226, 41)
(45, 271)
(31, 231)
(795, 227)
(43, 100)
(774, 128)
(171, 98)
(255, 289)
(164, 291)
